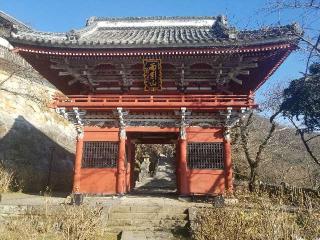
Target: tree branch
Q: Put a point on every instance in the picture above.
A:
(244, 139)
(7, 79)
(315, 46)
(296, 4)
(265, 142)
(303, 39)
(33, 98)
(305, 143)
(313, 137)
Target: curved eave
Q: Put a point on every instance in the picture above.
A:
(222, 43)
(162, 51)
(9, 20)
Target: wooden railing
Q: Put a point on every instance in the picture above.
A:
(154, 101)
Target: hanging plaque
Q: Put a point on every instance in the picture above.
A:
(152, 74)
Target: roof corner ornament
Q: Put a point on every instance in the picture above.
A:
(90, 20)
(222, 29)
(223, 20)
(72, 35)
(297, 29)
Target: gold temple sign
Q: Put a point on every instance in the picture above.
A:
(152, 74)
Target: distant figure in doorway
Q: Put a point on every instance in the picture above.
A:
(144, 169)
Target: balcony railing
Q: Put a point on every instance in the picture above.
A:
(154, 101)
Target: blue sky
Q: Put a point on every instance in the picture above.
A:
(59, 16)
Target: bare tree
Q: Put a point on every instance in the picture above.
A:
(254, 159)
(308, 15)
(254, 141)
(301, 99)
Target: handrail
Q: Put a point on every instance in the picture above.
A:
(163, 101)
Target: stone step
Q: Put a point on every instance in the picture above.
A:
(119, 229)
(159, 186)
(148, 209)
(147, 216)
(12, 210)
(17, 210)
(144, 235)
(147, 222)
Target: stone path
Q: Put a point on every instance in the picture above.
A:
(23, 199)
(131, 235)
(133, 217)
(164, 180)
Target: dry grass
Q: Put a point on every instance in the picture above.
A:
(62, 223)
(29, 179)
(257, 217)
(6, 178)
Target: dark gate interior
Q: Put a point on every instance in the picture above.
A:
(153, 164)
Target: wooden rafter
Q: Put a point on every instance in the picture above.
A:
(65, 68)
(182, 76)
(126, 83)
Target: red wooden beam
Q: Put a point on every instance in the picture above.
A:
(149, 102)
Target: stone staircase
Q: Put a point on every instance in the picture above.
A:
(162, 182)
(156, 221)
(128, 218)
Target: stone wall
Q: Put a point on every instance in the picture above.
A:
(35, 142)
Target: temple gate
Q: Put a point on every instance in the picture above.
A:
(188, 78)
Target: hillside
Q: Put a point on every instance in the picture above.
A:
(34, 139)
(284, 160)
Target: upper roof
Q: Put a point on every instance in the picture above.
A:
(7, 21)
(149, 32)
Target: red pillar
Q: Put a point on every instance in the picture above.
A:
(77, 164)
(183, 174)
(121, 178)
(133, 159)
(228, 164)
(178, 165)
(128, 169)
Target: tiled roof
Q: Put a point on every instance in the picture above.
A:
(149, 32)
(8, 21)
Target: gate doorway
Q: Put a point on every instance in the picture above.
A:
(153, 163)
(155, 169)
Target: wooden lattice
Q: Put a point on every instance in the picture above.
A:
(100, 155)
(205, 156)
